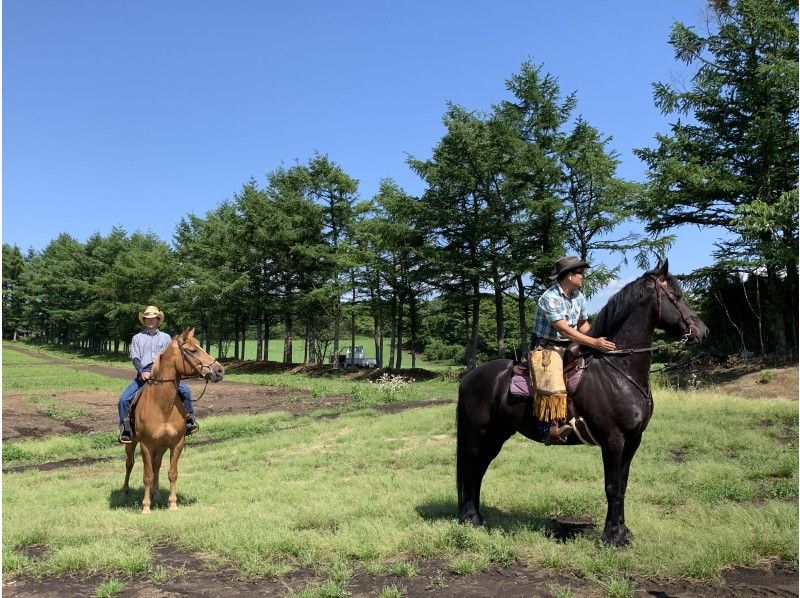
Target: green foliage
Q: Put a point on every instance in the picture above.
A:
(734, 163)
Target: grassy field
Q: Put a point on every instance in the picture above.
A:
(23, 373)
(713, 485)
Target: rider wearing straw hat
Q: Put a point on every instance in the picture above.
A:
(145, 346)
(560, 319)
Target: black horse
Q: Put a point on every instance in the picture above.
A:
(613, 396)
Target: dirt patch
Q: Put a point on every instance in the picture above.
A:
(753, 378)
(186, 574)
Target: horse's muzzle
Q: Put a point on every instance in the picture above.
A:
(699, 331)
(214, 373)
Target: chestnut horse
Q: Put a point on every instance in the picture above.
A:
(613, 396)
(159, 416)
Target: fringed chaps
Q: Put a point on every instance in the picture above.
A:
(546, 372)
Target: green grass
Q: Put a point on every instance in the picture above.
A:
(23, 373)
(376, 491)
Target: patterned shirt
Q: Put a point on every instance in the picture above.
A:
(554, 305)
(146, 346)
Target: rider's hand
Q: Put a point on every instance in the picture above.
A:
(145, 376)
(604, 345)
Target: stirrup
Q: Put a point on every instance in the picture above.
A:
(559, 435)
(191, 426)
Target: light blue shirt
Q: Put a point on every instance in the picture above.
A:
(146, 346)
(554, 305)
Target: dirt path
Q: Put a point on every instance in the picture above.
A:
(96, 412)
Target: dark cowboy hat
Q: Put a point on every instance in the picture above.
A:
(567, 264)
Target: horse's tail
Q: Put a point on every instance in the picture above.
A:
(462, 446)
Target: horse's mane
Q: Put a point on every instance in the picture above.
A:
(157, 360)
(620, 305)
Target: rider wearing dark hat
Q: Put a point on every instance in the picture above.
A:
(560, 319)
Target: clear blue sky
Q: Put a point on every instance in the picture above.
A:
(138, 113)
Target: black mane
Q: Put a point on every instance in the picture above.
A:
(620, 305)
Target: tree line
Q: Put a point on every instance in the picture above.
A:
(454, 272)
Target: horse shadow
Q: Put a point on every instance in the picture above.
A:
(561, 529)
(133, 500)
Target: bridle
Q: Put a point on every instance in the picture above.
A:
(200, 367)
(663, 289)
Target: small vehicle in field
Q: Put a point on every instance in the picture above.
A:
(349, 358)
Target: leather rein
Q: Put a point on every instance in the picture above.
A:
(195, 363)
(662, 289)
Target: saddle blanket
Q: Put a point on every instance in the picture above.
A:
(520, 385)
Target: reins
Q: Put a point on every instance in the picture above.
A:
(662, 288)
(198, 370)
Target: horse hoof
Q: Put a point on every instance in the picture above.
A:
(473, 520)
(619, 539)
(173, 507)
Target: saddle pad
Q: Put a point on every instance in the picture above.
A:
(520, 386)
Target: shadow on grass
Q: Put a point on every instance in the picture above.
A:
(560, 529)
(133, 500)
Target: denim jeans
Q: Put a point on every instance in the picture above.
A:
(126, 398)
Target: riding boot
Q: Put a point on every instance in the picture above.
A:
(558, 434)
(125, 432)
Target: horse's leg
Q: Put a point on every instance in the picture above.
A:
(612, 466)
(484, 448)
(147, 462)
(157, 455)
(130, 457)
(631, 445)
(174, 455)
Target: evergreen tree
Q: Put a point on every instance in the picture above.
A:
(13, 268)
(733, 163)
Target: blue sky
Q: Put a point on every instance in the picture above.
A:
(135, 114)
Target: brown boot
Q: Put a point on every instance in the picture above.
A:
(558, 434)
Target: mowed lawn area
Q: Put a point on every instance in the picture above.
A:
(714, 485)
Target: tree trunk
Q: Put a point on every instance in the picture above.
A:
(499, 313)
(472, 349)
(412, 314)
(399, 358)
(523, 324)
(393, 333)
(260, 337)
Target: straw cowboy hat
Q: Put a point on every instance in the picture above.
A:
(151, 312)
(567, 264)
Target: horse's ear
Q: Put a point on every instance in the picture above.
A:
(662, 269)
(185, 335)
(191, 332)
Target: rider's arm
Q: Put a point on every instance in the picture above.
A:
(601, 343)
(136, 358)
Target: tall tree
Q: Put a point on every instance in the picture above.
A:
(13, 267)
(597, 203)
(336, 191)
(734, 162)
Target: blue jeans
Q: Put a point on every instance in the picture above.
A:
(126, 398)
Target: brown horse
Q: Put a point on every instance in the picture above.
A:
(159, 420)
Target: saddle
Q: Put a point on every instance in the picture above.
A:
(549, 404)
(132, 420)
(576, 360)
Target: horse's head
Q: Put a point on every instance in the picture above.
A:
(674, 314)
(194, 361)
